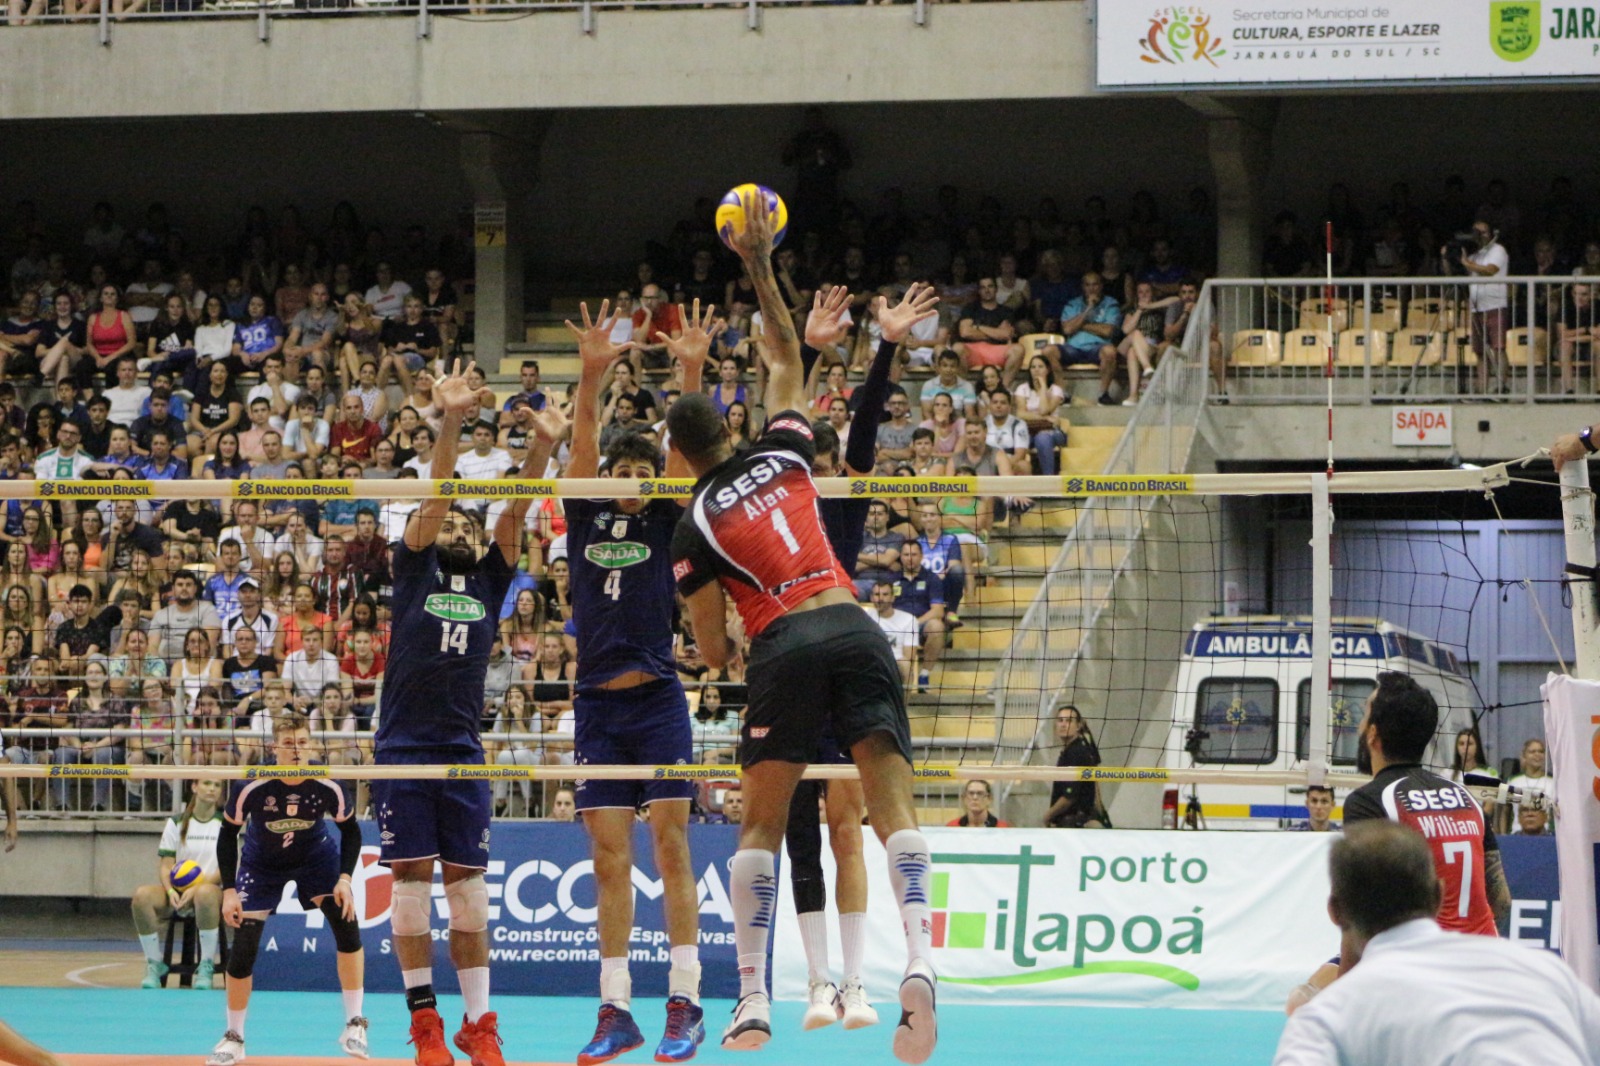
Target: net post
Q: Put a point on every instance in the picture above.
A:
(1577, 520)
(1321, 627)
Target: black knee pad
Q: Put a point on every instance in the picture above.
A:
(346, 931)
(810, 894)
(242, 952)
(804, 837)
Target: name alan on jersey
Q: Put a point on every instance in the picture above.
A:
(747, 485)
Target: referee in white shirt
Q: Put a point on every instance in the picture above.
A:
(1415, 995)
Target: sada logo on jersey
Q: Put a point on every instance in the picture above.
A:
(616, 556)
(454, 608)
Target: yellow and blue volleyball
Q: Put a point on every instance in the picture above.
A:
(185, 874)
(730, 213)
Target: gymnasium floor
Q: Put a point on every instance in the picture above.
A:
(76, 1000)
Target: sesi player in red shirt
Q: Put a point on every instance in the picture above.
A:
(817, 662)
(1400, 722)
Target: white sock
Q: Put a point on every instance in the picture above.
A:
(754, 895)
(417, 978)
(208, 945)
(851, 927)
(150, 942)
(475, 990)
(814, 935)
(352, 1003)
(236, 1022)
(616, 985)
(683, 978)
(908, 873)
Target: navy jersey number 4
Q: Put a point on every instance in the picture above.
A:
(622, 588)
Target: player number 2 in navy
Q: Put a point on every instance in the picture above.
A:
(613, 587)
(781, 524)
(454, 637)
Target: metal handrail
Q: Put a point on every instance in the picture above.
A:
(264, 12)
(1242, 304)
(1172, 403)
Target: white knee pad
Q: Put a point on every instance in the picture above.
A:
(409, 916)
(469, 905)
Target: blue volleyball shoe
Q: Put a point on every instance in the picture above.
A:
(615, 1034)
(685, 1031)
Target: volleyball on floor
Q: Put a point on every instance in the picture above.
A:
(730, 213)
(185, 874)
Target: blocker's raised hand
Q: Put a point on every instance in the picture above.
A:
(594, 339)
(919, 302)
(453, 394)
(694, 344)
(825, 325)
(550, 425)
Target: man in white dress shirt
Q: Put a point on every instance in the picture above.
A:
(1415, 995)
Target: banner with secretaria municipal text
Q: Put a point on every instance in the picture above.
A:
(1116, 918)
(1572, 734)
(1143, 44)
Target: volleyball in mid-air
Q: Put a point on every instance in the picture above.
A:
(185, 874)
(730, 213)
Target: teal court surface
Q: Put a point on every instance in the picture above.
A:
(126, 1027)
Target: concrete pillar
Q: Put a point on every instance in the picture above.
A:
(1240, 155)
(1239, 141)
(502, 172)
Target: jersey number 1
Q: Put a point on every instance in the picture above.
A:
(781, 525)
(454, 637)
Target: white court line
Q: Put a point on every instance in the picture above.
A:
(77, 978)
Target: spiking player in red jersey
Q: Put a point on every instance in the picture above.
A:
(817, 663)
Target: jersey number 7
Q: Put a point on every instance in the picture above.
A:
(453, 637)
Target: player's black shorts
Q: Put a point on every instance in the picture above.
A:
(828, 670)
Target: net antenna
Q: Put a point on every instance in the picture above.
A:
(1583, 583)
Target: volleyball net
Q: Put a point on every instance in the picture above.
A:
(1215, 632)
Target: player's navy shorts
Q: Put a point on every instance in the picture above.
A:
(448, 820)
(646, 725)
(260, 887)
(828, 672)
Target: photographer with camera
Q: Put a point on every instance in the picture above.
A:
(1480, 253)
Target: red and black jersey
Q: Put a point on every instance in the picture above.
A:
(754, 525)
(1450, 820)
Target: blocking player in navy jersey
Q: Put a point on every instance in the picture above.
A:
(446, 606)
(1400, 722)
(844, 519)
(817, 663)
(284, 822)
(630, 707)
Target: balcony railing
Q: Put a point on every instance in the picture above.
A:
(108, 13)
(1393, 340)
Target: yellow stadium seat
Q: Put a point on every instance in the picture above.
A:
(1419, 347)
(1306, 347)
(1458, 352)
(1314, 313)
(1256, 347)
(1033, 342)
(1357, 347)
(1524, 345)
(1385, 321)
(1432, 313)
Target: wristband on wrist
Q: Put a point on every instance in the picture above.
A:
(1586, 436)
